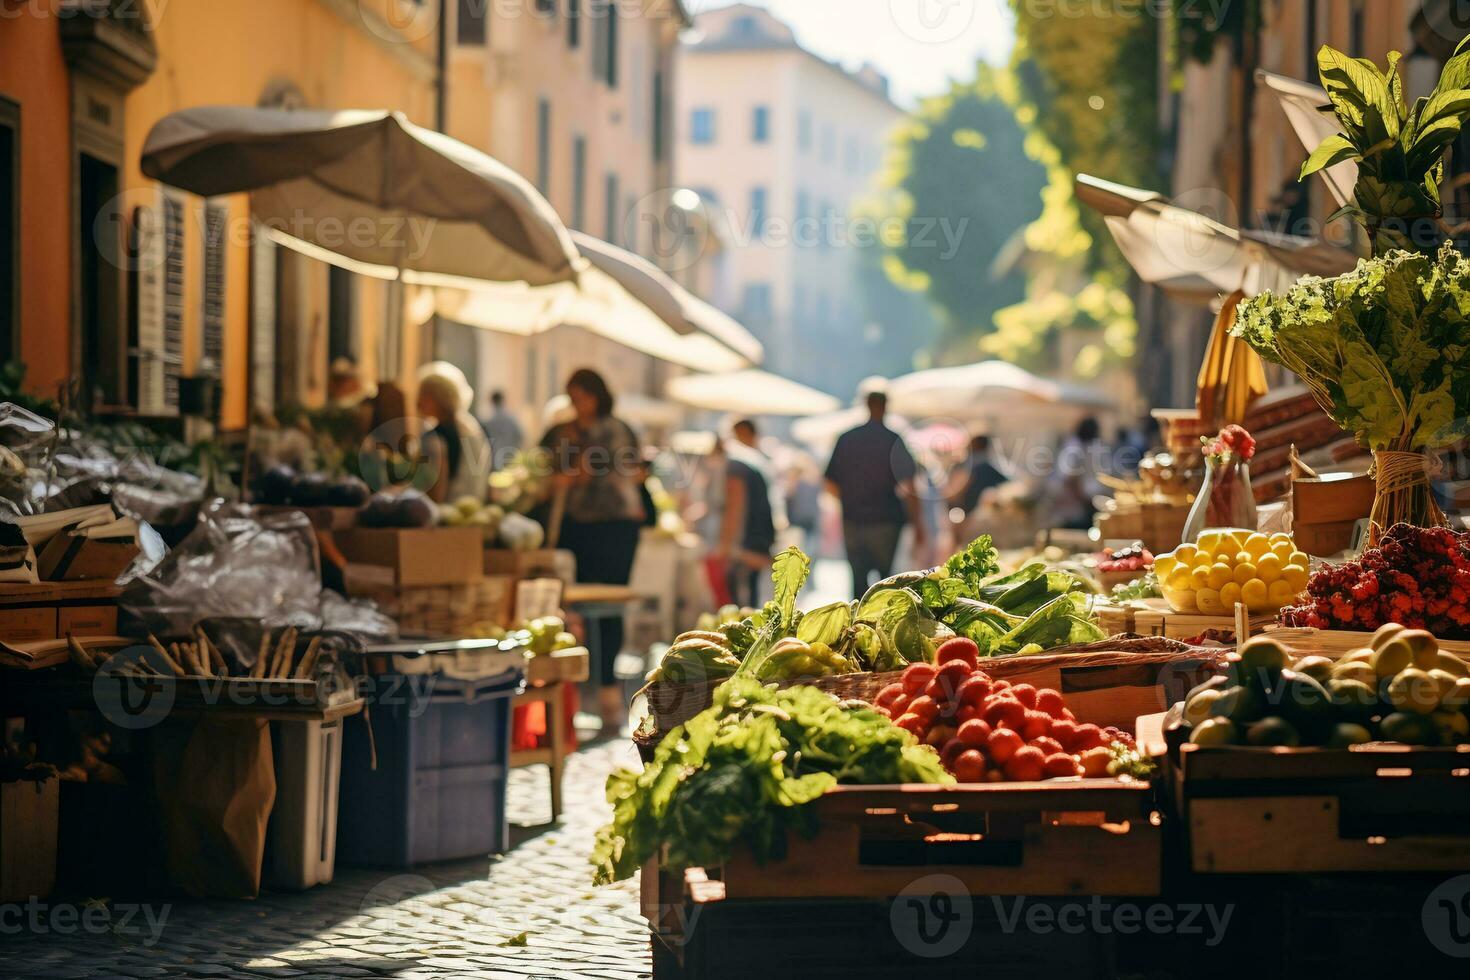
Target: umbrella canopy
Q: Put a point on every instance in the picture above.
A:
(822, 431)
(1310, 113)
(395, 199)
(986, 390)
(620, 296)
(749, 393)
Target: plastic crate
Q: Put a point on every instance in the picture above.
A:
(443, 756)
(303, 828)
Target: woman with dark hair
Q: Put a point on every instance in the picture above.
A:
(597, 466)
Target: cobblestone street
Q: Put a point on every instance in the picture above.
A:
(530, 914)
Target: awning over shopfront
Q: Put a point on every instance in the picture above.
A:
(986, 391)
(1310, 115)
(749, 393)
(1196, 258)
(393, 199)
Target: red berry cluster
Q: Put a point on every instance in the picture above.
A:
(992, 730)
(1235, 440)
(1132, 559)
(1417, 576)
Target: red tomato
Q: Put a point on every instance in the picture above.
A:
(1051, 702)
(975, 732)
(1035, 725)
(1026, 766)
(888, 695)
(1002, 744)
(1024, 693)
(1065, 732)
(1088, 737)
(968, 712)
(974, 690)
(1000, 685)
(1048, 745)
(913, 724)
(900, 706)
(925, 708)
(969, 767)
(1004, 712)
(1067, 714)
(960, 648)
(916, 676)
(1060, 765)
(948, 678)
(951, 752)
(995, 776)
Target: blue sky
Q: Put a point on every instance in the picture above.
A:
(919, 44)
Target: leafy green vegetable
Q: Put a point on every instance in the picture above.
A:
(788, 574)
(826, 625)
(744, 771)
(975, 564)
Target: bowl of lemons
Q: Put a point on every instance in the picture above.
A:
(1230, 565)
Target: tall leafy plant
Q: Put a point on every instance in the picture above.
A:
(1399, 149)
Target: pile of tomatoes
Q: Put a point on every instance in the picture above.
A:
(988, 730)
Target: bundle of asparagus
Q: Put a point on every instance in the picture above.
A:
(201, 658)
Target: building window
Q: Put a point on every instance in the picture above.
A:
(610, 210)
(100, 314)
(702, 127)
(473, 26)
(854, 155)
(757, 211)
(173, 298)
(804, 131)
(341, 314)
(579, 183)
(574, 23)
(660, 120)
(755, 305)
(546, 8)
(760, 124)
(605, 41)
(216, 244)
(744, 27)
(9, 228)
(829, 144)
(543, 146)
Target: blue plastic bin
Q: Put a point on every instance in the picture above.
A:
(438, 793)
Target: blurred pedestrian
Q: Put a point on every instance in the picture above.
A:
(748, 527)
(456, 453)
(873, 474)
(596, 464)
(502, 429)
(979, 474)
(1078, 461)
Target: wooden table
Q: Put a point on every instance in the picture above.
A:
(547, 678)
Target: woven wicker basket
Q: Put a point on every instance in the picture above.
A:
(447, 610)
(1105, 683)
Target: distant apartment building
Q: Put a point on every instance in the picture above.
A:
(575, 95)
(781, 144)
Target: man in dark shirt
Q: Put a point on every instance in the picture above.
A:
(748, 532)
(872, 474)
(980, 475)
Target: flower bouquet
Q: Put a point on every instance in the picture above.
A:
(1226, 499)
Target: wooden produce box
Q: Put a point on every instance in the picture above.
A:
(1159, 526)
(570, 666)
(418, 556)
(1332, 499)
(437, 610)
(1113, 619)
(48, 610)
(29, 822)
(1337, 644)
(1153, 617)
(1060, 837)
(541, 563)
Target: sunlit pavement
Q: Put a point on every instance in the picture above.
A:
(453, 920)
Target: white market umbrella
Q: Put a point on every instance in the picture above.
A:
(822, 431)
(985, 390)
(370, 188)
(1308, 110)
(749, 392)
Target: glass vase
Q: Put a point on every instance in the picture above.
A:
(1225, 499)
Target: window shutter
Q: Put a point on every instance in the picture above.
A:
(216, 231)
(148, 351)
(262, 321)
(173, 297)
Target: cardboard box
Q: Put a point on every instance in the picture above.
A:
(543, 563)
(419, 556)
(29, 822)
(27, 624)
(70, 557)
(1324, 539)
(1336, 498)
(82, 621)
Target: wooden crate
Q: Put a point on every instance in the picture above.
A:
(1339, 643)
(1381, 807)
(1153, 617)
(1115, 619)
(441, 610)
(28, 829)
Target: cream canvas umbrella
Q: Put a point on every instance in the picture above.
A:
(985, 390)
(370, 188)
(749, 392)
(1310, 114)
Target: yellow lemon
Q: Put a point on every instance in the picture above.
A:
(1209, 602)
(1244, 572)
(1283, 550)
(1244, 558)
(1299, 559)
(1179, 578)
(1209, 541)
(1255, 595)
(1280, 537)
(1220, 575)
(1280, 593)
(1268, 568)
(1257, 545)
(1229, 596)
(1295, 577)
(1184, 601)
(1199, 576)
(1184, 554)
(1164, 565)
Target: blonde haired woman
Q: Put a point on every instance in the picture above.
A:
(456, 452)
